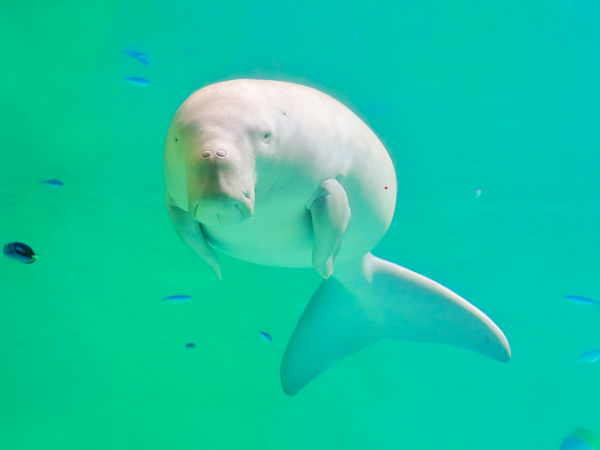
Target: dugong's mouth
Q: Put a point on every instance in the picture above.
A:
(230, 212)
(232, 218)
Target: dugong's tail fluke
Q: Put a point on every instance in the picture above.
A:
(370, 299)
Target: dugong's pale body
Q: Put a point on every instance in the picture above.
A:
(280, 174)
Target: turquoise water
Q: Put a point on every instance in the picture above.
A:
(500, 97)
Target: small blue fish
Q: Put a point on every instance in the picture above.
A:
(477, 192)
(53, 182)
(591, 356)
(141, 57)
(177, 298)
(20, 252)
(190, 345)
(578, 300)
(138, 81)
(266, 337)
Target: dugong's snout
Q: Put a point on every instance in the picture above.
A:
(220, 185)
(222, 210)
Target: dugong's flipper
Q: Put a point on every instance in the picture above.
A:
(189, 231)
(330, 217)
(371, 299)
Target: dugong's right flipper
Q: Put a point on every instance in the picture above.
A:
(188, 229)
(371, 299)
(330, 217)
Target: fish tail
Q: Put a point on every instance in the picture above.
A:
(371, 299)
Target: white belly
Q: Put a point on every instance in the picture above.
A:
(286, 241)
(281, 232)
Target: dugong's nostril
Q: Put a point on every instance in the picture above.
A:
(206, 154)
(222, 153)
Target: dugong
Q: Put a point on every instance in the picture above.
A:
(281, 174)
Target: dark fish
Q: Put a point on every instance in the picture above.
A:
(266, 337)
(141, 57)
(190, 345)
(53, 182)
(138, 81)
(20, 252)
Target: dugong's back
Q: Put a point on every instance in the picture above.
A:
(317, 138)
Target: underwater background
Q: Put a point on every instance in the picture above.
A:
(501, 97)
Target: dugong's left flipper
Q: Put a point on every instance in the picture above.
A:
(330, 217)
(189, 231)
(371, 299)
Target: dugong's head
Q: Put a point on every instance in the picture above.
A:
(213, 145)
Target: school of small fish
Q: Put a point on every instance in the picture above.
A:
(21, 252)
(144, 58)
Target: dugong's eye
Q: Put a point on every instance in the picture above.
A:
(266, 136)
(206, 154)
(176, 140)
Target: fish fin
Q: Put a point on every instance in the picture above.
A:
(370, 299)
(333, 325)
(190, 232)
(35, 257)
(330, 218)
